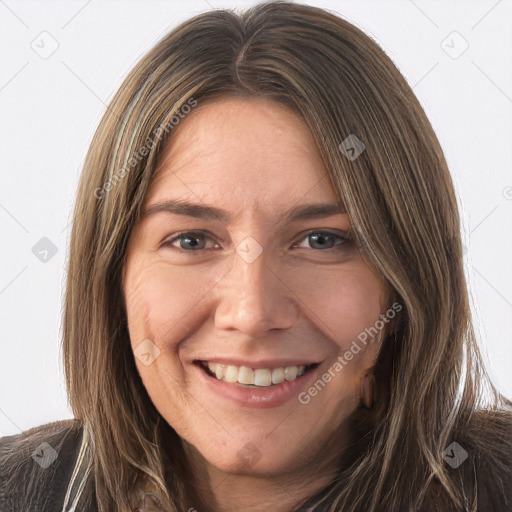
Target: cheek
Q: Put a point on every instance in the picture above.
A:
(345, 305)
(157, 304)
(346, 309)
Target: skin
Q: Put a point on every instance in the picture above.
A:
(256, 160)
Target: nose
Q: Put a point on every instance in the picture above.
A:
(254, 298)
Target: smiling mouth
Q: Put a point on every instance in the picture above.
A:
(254, 378)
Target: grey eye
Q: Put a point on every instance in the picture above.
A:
(188, 241)
(324, 240)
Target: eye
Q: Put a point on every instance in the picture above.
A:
(191, 241)
(325, 240)
(188, 241)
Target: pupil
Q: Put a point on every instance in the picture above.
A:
(320, 238)
(191, 241)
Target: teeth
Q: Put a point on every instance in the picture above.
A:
(219, 371)
(245, 376)
(231, 374)
(277, 375)
(262, 377)
(290, 373)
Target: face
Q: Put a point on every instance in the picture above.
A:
(242, 289)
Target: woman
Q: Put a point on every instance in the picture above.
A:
(266, 306)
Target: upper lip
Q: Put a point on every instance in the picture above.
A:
(255, 364)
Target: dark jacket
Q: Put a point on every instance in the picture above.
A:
(36, 467)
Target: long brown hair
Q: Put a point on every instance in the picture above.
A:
(430, 377)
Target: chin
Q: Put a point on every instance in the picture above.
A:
(254, 459)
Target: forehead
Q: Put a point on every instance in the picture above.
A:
(243, 152)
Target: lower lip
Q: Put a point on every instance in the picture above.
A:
(269, 396)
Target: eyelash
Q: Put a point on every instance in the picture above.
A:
(346, 239)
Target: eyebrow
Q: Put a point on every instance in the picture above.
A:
(207, 212)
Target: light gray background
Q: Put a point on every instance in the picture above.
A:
(50, 106)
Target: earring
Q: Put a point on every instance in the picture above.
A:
(367, 390)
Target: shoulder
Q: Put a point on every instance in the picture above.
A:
(36, 464)
(478, 459)
(484, 468)
(489, 438)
